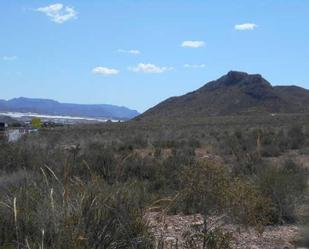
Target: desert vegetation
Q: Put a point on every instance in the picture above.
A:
(91, 186)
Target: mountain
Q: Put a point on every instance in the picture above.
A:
(52, 107)
(236, 93)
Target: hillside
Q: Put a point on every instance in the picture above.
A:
(8, 120)
(236, 93)
(52, 107)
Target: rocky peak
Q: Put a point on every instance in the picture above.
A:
(235, 78)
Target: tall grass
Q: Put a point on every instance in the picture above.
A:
(95, 215)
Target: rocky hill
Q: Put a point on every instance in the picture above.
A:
(236, 93)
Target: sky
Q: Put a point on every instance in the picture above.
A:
(136, 53)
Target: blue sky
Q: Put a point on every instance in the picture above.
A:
(136, 53)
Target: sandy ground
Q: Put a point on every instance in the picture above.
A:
(170, 230)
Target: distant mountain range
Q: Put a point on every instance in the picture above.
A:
(52, 107)
(236, 93)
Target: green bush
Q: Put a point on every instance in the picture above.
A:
(204, 188)
(285, 186)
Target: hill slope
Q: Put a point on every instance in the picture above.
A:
(8, 120)
(236, 93)
(51, 107)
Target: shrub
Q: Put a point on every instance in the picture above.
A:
(296, 137)
(285, 186)
(204, 188)
(212, 239)
(247, 206)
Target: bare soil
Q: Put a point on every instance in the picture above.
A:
(170, 229)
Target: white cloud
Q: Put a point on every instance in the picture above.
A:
(193, 44)
(149, 68)
(105, 71)
(245, 26)
(9, 58)
(58, 13)
(194, 65)
(131, 51)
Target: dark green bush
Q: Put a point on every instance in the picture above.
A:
(296, 137)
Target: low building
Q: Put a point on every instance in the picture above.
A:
(14, 135)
